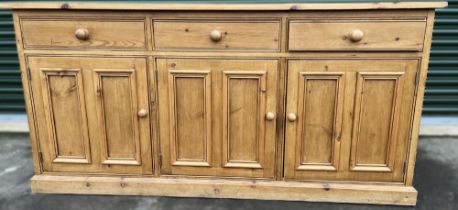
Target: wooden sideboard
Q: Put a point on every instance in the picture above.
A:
(308, 102)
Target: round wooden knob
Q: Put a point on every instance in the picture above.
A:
(270, 116)
(292, 117)
(142, 113)
(216, 35)
(356, 35)
(82, 34)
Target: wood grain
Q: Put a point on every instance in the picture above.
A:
(418, 102)
(240, 189)
(103, 33)
(390, 104)
(236, 35)
(319, 132)
(117, 106)
(28, 96)
(108, 138)
(144, 97)
(63, 97)
(223, 7)
(243, 118)
(227, 81)
(334, 35)
(377, 105)
(190, 117)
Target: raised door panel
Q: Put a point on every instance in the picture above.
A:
(212, 117)
(86, 112)
(352, 119)
(374, 128)
(190, 117)
(244, 106)
(318, 132)
(117, 105)
(314, 119)
(63, 101)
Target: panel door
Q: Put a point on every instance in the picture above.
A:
(348, 119)
(213, 118)
(86, 111)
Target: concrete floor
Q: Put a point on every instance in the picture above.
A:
(436, 180)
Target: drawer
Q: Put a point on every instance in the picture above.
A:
(356, 35)
(84, 34)
(216, 35)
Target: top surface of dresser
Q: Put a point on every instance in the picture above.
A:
(265, 5)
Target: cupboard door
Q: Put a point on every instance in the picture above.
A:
(319, 99)
(348, 119)
(213, 117)
(86, 111)
(121, 100)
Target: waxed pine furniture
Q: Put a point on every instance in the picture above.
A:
(283, 101)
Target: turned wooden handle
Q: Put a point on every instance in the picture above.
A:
(270, 116)
(142, 113)
(356, 35)
(292, 117)
(82, 34)
(216, 35)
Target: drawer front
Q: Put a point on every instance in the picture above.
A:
(216, 35)
(355, 35)
(84, 34)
